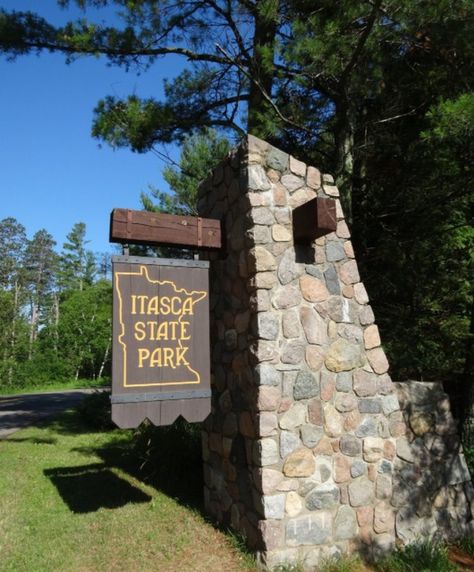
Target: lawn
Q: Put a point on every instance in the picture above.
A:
(75, 498)
(71, 500)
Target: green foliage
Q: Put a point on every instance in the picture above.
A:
(76, 263)
(377, 94)
(85, 329)
(199, 155)
(55, 322)
(421, 557)
(95, 411)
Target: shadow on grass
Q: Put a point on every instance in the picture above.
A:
(34, 440)
(90, 487)
(159, 457)
(166, 458)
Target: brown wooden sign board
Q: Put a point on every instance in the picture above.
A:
(142, 227)
(161, 355)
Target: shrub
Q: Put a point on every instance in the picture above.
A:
(96, 412)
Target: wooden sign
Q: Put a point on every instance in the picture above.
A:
(142, 227)
(161, 356)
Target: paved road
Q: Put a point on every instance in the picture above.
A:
(19, 411)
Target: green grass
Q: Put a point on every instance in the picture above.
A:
(73, 499)
(467, 544)
(56, 386)
(420, 557)
(342, 564)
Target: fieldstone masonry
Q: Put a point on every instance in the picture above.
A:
(307, 451)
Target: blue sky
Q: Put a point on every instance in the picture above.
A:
(52, 172)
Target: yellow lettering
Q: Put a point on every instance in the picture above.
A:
(143, 353)
(155, 360)
(168, 354)
(180, 353)
(187, 307)
(162, 331)
(173, 330)
(165, 305)
(140, 333)
(175, 305)
(153, 305)
(184, 334)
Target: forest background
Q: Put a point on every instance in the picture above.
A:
(377, 93)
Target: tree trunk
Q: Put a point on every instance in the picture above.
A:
(104, 359)
(344, 156)
(33, 327)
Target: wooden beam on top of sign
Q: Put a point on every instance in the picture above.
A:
(141, 227)
(313, 219)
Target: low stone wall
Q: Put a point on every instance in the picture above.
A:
(432, 488)
(307, 451)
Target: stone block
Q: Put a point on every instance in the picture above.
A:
(286, 297)
(311, 435)
(373, 449)
(345, 402)
(349, 273)
(324, 496)
(300, 463)
(277, 159)
(261, 260)
(266, 452)
(273, 506)
(311, 529)
(313, 178)
(294, 417)
(333, 421)
(306, 385)
(289, 442)
(292, 182)
(288, 269)
(313, 325)
(281, 233)
(269, 398)
(314, 356)
(378, 360)
(313, 289)
(297, 167)
(365, 383)
(332, 280)
(345, 524)
(343, 356)
(268, 325)
(383, 488)
(290, 324)
(344, 381)
(350, 445)
(342, 469)
(373, 405)
(293, 504)
(361, 492)
(335, 251)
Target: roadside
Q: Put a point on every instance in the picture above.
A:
(23, 410)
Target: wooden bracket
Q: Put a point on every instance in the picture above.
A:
(142, 227)
(313, 219)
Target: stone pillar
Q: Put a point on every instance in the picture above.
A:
(300, 446)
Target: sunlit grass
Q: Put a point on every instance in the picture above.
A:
(68, 502)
